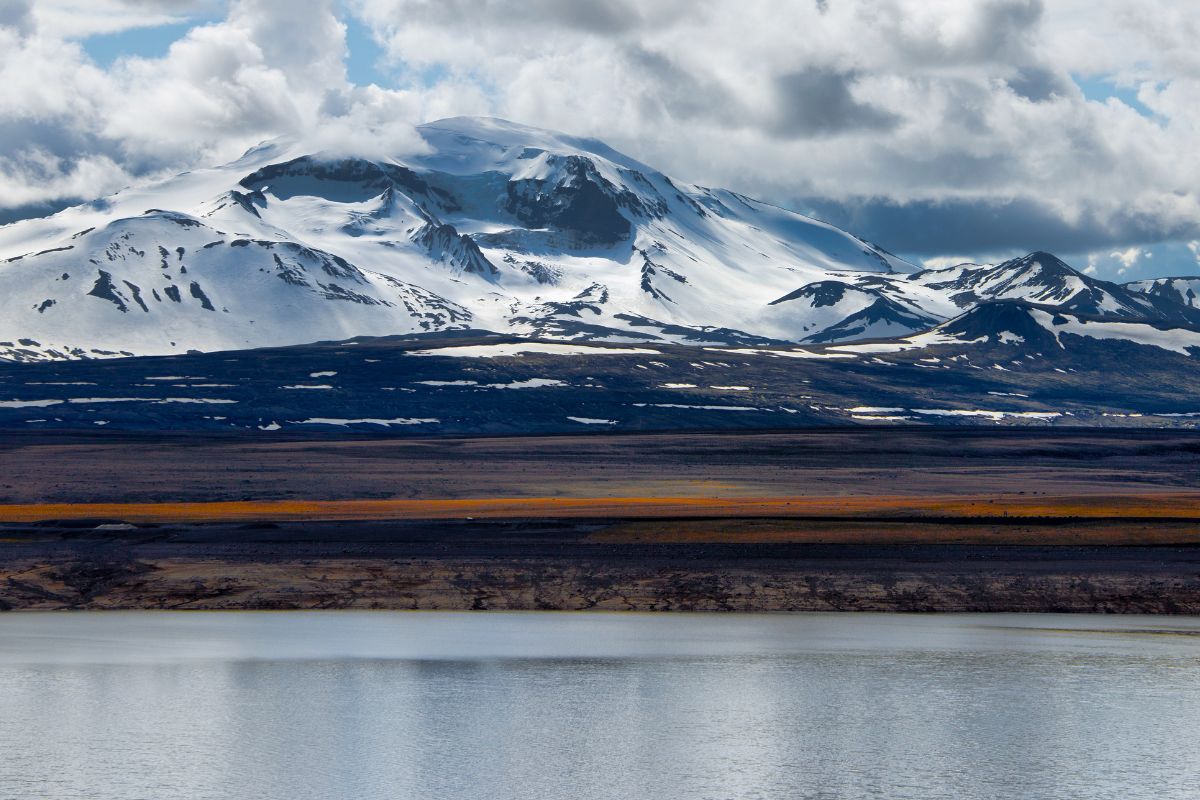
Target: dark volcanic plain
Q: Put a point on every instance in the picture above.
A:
(903, 519)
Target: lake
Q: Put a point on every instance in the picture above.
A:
(595, 706)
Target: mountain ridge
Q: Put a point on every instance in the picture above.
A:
(492, 226)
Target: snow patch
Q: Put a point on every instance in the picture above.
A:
(28, 403)
(530, 383)
(367, 421)
(698, 408)
(994, 415)
(516, 349)
(785, 353)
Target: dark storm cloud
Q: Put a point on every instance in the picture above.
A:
(17, 14)
(1038, 83)
(605, 17)
(8, 215)
(1009, 22)
(995, 31)
(686, 94)
(928, 228)
(820, 102)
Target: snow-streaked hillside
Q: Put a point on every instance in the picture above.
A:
(1037, 331)
(496, 226)
(1184, 291)
(493, 226)
(1043, 278)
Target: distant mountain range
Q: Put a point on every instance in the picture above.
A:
(326, 290)
(493, 226)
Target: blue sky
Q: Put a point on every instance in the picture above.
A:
(152, 42)
(365, 58)
(1101, 88)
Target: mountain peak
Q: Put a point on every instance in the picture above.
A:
(491, 224)
(998, 322)
(464, 136)
(1047, 262)
(490, 128)
(495, 226)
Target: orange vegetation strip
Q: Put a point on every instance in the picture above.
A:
(1156, 506)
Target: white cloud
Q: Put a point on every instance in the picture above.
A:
(940, 105)
(79, 18)
(941, 262)
(933, 126)
(73, 130)
(1128, 257)
(17, 15)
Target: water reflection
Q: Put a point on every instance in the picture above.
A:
(596, 706)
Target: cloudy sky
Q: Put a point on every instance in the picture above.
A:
(941, 129)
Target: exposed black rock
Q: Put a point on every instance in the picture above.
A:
(999, 320)
(883, 311)
(198, 293)
(345, 179)
(106, 290)
(649, 270)
(444, 243)
(137, 295)
(583, 204)
(822, 293)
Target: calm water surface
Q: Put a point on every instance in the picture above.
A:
(581, 706)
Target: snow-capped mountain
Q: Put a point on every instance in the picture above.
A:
(1182, 291)
(1033, 330)
(495, 226)
(1043, 278)
(492, 226)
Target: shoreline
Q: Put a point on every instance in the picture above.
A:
(539, 564)
(939, 520)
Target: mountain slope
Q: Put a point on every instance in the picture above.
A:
(490, 226)
(1181, 291)
(1043, 278)
(1002, 363)
(1008, 329)
(496, 225)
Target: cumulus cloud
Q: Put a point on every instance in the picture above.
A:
(72, 18)
(72, 130)
(941, 262)
(933, 127)
(821, 102)
(16, 15)
(1129, 258)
